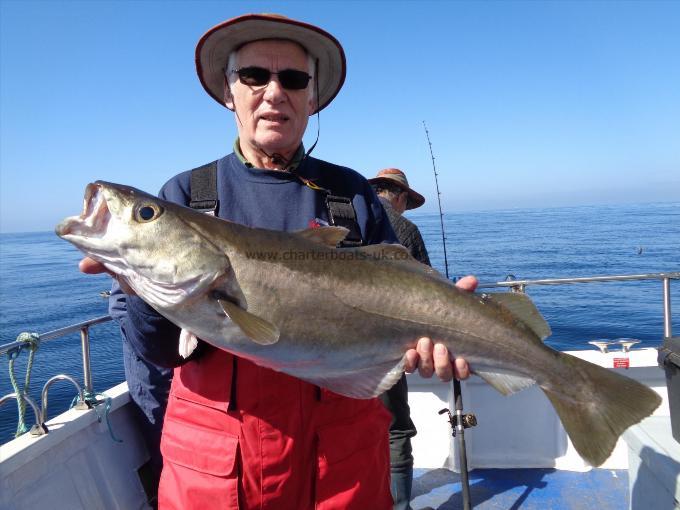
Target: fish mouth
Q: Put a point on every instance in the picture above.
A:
(94, 219)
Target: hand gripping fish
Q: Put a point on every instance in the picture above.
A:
(339, 318)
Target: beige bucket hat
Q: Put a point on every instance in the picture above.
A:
(214, 48)
(395, 177)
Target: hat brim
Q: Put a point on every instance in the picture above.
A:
(214, 48)
(414, 200)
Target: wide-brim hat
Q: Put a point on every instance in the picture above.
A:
(395, 177)
(214, 48)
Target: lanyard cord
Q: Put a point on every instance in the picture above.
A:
(294, 172)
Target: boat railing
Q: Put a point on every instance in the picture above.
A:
(665, 279)
(86, 398)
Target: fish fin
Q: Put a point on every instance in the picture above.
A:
(255, 328)
(524, 309)
(600, 406)
(187, 343)
(505, 383)
(327, 236)
(366, 383)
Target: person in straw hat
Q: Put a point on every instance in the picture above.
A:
(237, 435)
(396, 196)
(391, 186)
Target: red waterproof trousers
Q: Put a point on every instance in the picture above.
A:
(281, 444)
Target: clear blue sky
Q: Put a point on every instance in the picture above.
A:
(529, 104)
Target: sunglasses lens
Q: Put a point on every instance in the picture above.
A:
(290, 79)
(254, 76)
(293, 79)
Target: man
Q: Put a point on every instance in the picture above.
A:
(237, 435)
(396, 196)
(391, 186)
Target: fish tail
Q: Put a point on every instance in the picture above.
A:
(603, 405)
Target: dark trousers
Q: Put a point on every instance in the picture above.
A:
(401, 432)
(149, 386)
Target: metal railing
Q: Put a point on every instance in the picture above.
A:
(520, 286)
(14, 348)
(84, 327)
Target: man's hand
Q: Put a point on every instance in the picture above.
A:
(91, 266)
(431, 358)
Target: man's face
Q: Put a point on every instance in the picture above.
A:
(270, 117)
(401, 202)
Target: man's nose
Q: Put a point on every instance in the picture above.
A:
(274, 92)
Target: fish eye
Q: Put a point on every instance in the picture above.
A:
(148, 212)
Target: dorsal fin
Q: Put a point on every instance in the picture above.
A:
(524, 309)
(327, 236)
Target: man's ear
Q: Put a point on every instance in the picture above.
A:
(228, 97)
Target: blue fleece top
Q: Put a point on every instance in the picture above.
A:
(270, 199)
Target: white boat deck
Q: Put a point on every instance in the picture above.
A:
(77, 465)
(518, 431)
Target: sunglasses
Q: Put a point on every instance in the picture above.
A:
(290, 79)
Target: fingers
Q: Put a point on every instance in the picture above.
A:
(411, 359)
(91, 266)
(468, 283)
(461, 369)
(442, 362)
(430, 358)
(424, 349)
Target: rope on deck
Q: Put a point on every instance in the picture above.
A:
(94, 400)
(31, 341)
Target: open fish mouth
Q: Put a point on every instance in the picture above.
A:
(94, 219)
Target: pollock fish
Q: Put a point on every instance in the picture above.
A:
(340, 318)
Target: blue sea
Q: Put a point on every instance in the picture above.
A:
(42, 290)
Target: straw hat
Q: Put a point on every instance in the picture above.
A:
(395, 177)
(214, 48)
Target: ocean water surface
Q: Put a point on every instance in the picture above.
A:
(42, 290)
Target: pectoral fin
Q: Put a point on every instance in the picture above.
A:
(255, 328)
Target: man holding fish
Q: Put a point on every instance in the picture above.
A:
(340, 322)
(237, 434)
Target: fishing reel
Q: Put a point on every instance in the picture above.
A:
(459, 420)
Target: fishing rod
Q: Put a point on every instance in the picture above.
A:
(459, 421)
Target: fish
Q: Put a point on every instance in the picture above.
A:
(339, 318)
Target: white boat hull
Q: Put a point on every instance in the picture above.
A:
(77, 465)
(518, 431)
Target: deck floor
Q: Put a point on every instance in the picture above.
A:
(528, 489)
